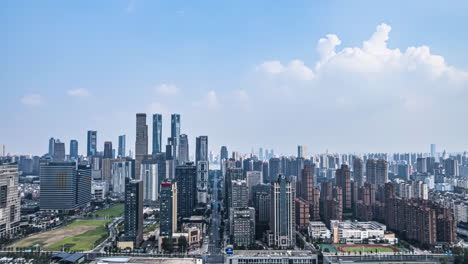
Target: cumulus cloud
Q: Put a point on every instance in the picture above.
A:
(210, 100)
(167, 89)
(32, 99)
(372, 91)
(80, 92)
(295, 69)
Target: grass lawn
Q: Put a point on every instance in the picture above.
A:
(366, 248)
(81, 235)
(111, 212)
(150, 228)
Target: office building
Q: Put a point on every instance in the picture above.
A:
(202, 182)
(239, 194)
(183, 149)
(51, 147)
(149, 174)
(168, 208)
(201, 151)
(274, 169)
(157, 133)
(175, 134)
(300, 151)
(282, 213)
(133, 213)
(141, 142)
(73, 149)
(242, 226)
(262, 203)
(120, 171)
(121, 152)
(92, 143)
(10, 203)
(224, 155)
(107, 150)
(253, 178)
(185, 177)
(64, 186)
(433, 150)
(59, 151)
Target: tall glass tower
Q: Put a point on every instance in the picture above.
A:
(157, 133)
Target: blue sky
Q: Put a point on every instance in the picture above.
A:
(67, 67)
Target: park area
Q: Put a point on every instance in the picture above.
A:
(367, 248)
(81, 235)
(111, 212)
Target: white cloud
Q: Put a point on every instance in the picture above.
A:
(130, 6)
(295, 70)
(80, 92)
(210, 100)
(32, 99)
(157, 107)
(167, 89)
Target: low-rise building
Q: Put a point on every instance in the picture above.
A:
(354, 232)
(318, 230)
(272, 256)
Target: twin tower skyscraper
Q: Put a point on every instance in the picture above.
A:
(141, 141)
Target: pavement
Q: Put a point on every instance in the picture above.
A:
(214, 245)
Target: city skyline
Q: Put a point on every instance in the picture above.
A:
(305, 76)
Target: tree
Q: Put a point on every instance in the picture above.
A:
(183, 244)
(167, 244)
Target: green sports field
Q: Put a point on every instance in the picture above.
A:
(111, 212)
(366, 248)
(81, 235)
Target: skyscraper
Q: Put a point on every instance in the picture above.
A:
(133, 214)
(157, 133)
(10, 202)
(64, 186)
(224, 153)
(120, 171)
(253, 178)
(186, 176)
(122, 142)
(168, 205)
(141, 142)
(202, 182)
(376, 171)
(433, 150)
(107, 150)
(51, 146)
(175, 133)
(307, 183)
(59, 151)
(300, 151)
(92, 143)
(149, 174)
(282, 210)
(343, 180)
(201, 151)
(183, 149)
(73, 149)
(358, 171)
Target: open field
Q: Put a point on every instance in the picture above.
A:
(80, 235)
(366, 248)
(114, 211)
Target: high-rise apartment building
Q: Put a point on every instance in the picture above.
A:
(358, 171)
(433, 150)
(253, 178)
(64, 186)
(141, 142)
(168, 208)
(10, 203)
(377, 171)
(282, 212)
(120, 171)
(185, 177)
(92, 143)
(73, 149)
(157, 133)
(133, 213)
(343, 180)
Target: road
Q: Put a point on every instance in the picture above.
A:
(214, 245)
